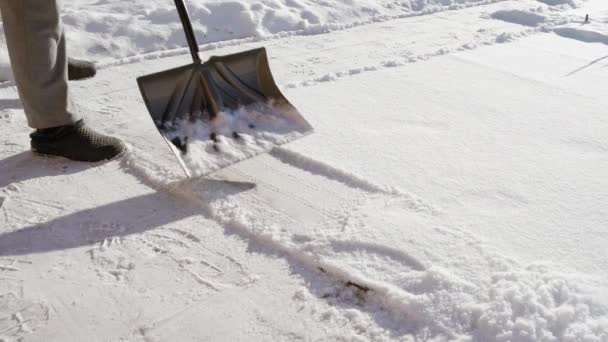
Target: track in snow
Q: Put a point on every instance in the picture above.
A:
(377, 245)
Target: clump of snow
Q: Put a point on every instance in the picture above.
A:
(331, 77)
(536, 304)
(143, 166)
(504, 37)
(206, 146)
(392, 64)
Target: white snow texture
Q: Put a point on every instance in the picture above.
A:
(454, 188)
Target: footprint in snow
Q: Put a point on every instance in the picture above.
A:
(205, 264)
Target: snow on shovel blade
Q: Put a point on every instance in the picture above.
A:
(220, 112)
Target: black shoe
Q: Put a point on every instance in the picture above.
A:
(80, 70)
(76, 142)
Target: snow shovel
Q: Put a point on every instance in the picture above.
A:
(222, 111)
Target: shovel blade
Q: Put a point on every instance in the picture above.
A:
(222, 111)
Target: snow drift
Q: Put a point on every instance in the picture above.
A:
(109, 30)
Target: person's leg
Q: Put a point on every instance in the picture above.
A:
(36, 44)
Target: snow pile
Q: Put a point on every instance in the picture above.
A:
(206, 146)
(535, 304)
(116, 29)
(519, 17)
(111, 30)
(593, 31)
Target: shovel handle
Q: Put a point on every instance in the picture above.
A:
(183, 16)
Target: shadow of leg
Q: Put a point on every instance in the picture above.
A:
(25, 165)
(127, 217)
(86, 227)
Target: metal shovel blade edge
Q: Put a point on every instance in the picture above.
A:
(222, 111)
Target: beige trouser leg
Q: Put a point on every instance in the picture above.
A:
(36, 46)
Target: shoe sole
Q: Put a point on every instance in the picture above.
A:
(46, 155)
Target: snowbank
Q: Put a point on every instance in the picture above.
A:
(117, 29)
(591, 33)
(553, 19)
(519, 17)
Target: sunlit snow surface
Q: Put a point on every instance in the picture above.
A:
(204, 146)
(454, 189)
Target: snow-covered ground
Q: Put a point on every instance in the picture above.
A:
(455, 187)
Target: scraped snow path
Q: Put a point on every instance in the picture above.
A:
(443, 196)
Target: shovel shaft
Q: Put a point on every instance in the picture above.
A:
(183, 16)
